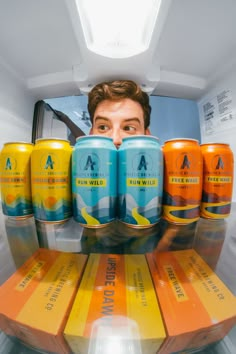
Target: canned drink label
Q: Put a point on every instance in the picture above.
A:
(140, 181)
(218, 163)
(94, 181)
(182, 181)
(51, 180)
(15, 179)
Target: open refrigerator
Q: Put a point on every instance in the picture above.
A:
(188, 70)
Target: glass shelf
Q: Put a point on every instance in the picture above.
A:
(214, 241)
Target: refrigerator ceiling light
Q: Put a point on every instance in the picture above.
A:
(118, 29)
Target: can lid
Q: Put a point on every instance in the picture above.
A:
(182, 139)
(101, 137)
(51, 139)
(141, 136)
(18, 142)
(214, 143)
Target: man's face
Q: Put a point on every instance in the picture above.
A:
(118, 119)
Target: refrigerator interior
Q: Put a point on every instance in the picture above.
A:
(189, 71)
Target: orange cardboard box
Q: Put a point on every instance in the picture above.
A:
(197, 307)
(115, 307)
(36, 299)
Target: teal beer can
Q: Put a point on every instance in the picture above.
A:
(140, 187)
(94, 180)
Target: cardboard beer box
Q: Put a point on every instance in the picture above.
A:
(115, 307)
(36, 299)
(197, 307)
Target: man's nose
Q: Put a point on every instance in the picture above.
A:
(117, 137)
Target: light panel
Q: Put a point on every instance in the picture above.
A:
(118, 28)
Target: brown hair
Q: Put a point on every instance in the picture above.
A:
(116, 90)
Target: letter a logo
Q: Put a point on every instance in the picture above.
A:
(90, 163)
(8, 164)
(142, 163)
(220, 164)
(49, 163)
(185, 163)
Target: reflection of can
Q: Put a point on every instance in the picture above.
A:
(119, 238)
(176, 236)
(182, 180)
(209, 239)
(62, 236)
(15, 179)
(140, 187)
(218, 167)
(50, 178)
(22, 238)
(94, 182)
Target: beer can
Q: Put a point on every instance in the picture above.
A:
(15, 179)
(94, 180)
(140, 187)
(218, 171)
(182, 180)
(51, 180)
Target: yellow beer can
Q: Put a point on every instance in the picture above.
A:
(15, 179)
(51, 179)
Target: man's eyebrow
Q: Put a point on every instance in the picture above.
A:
(126, 120)
(132, 119)
(103, 118)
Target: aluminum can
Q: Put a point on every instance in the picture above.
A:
(183, 168)
(51, 180)
(140, 187)
(218, 174)
(94, 180)
(15, 179)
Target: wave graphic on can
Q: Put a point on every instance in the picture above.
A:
(93, 215)
(132, 213)
(218, 210)
(182, 214)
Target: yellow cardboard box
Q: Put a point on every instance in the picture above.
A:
(116, 305)
(35, 300)
(197, 307)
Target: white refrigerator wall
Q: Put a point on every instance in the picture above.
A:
(16, 117)
(16, 108)
(217, 114)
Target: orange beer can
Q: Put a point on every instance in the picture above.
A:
(183, 168)
(218, 171)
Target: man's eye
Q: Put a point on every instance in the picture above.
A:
(103, 127)
(129, 128)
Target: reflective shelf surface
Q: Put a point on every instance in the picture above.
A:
(214, 240)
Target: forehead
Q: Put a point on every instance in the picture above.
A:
(124, 108)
